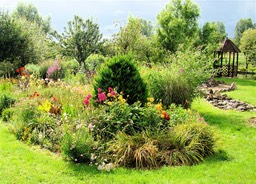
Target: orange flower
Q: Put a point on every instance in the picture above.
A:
(165, 116)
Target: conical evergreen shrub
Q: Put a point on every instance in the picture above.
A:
(122, 74)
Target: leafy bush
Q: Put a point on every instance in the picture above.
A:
(71, 66)
(95, 61)
(34, 70)
(116, 115)
(7, 114)
(78, 146)
(43, 67)
(177, 81)
(121, 73)
(5, 102)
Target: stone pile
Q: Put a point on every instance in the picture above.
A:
(225, 102)
(212, 90)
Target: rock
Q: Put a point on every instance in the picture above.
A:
(249, 106)
(232, 86)
(241, 108)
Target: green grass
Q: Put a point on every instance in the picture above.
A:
(234, 162)
(246, 90)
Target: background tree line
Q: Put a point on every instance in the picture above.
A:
(26, 37)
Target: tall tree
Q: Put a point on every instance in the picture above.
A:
(177, 23)
(19, 46)
(241, 26)
(80, 39)
(248, 46)
(211, 34)
(31, 14)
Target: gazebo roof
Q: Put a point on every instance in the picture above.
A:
(228, 46)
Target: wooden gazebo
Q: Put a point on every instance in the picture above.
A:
(226, 59)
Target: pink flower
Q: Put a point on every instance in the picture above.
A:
(113, 93)
(99, 90)
(86, 102)
(110, 89)
(88, 97)
(102, 97)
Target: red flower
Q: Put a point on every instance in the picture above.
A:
(102, 97)
(23, 74)
(17, 71)
(54, 99)
(99, 90)
(22, 68)
(165, 116)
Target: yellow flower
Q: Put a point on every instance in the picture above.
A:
(123, 100)
(109, 103)
(120, 98)
(109, 95)
(159, 107)
(150, 99)
(148, 104)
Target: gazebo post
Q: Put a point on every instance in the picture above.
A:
(221, 58)
(233, 66)
(229, 58)
(236, 63)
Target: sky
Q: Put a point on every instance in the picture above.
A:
(111, 14)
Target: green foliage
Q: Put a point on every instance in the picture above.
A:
(7, 114)
(248, 46)
(78, 146)
(177, 24)
(31, 14)
(211, 34)
(34, 70)
(177, 82)
(43, 67)
(55, 71)
(136, 151)
(121, 73)
(94, 62)
(186, 144)
(18, 46)
(5, 102)
(136, 38)
(70, 66)
(241, 26)
(130, 119)
(80, 39)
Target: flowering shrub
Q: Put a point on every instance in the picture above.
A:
(115, 114)
(24, 78)
(54, 71)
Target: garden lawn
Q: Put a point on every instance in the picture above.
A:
(234, 162)
(246, 90)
